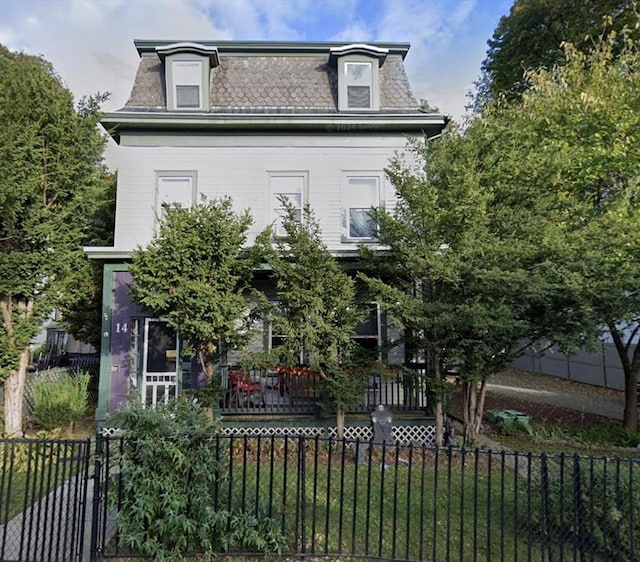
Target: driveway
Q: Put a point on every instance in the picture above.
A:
(546, 389)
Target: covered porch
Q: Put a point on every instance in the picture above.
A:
(298, 390)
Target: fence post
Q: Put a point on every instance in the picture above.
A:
(579, 507)
(302, 490)
(97, 498)
(546, 515)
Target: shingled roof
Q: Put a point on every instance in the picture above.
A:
(273, 78)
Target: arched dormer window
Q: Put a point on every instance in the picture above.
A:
(357, 69)
(187, 67)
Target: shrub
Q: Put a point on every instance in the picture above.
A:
(593, 503)
(60, 400)
(168, 487)
(611, 435)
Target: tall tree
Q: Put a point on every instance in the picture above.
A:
(196, 273)
(533, 34)
(528, 223)
(317, 312)
(560, 165)
(459, 273)
(580, 123)
(81, 306)
(50, 176)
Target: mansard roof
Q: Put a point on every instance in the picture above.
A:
(272, 86)
(289, 77)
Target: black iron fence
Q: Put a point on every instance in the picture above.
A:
(334, 498)
(330, 498)
(43, 499)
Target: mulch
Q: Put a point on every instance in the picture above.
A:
(543, 414)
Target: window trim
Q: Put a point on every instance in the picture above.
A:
(272, 219)
(344, 82)
(347, 208)
(202, 81)
(192, 175)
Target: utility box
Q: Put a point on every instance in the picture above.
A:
(507, 417)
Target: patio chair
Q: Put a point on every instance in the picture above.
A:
(244, 391)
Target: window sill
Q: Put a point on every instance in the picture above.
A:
(348, 240)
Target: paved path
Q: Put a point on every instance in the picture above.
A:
(49, 529)
(546, 389)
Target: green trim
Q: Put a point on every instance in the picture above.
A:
(283, 48)
(361, 123)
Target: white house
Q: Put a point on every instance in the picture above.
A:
(317, 122)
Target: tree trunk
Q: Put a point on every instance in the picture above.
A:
(13, 397)
(469, 397)
(630, 417)
(473, 409)
(207, 366)
(630, 369)
(631, 405)
(340, 422)
(477, 423)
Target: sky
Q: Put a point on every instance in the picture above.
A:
(90, 42)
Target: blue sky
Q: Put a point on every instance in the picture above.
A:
(90, 42)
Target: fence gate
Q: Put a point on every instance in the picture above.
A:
(43, 499)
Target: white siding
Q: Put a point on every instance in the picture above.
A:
(240, 167)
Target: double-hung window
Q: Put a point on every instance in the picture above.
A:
(359, 82)
(187, 83)
(290, 186)
(359, 194)
(174, 188)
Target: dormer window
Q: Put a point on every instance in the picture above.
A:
(187, 68)
(357, 70)
(358, 78)
(187, 84)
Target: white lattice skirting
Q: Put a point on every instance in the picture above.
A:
(403, 434)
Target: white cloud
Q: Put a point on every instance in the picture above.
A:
(357, 32)
(86, 12)
(7, 38)
(448, 43)
(90, 42)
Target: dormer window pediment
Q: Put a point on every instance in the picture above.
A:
(357, 69)
(188, 47)
(359, 49)
(187, 68)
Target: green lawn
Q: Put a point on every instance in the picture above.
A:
(421, 506)
(29, 470)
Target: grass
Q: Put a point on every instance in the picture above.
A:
(29, 470)
(423, 505)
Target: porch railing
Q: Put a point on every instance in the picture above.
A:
(272, 392)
